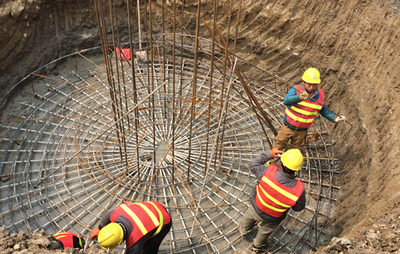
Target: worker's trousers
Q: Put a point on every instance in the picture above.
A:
(152, 244)
(249, 220)
(285, 134)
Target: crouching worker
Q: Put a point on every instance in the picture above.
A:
(70, 240)
(142, 225)
(278, 190)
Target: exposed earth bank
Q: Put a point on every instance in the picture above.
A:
(357, 38)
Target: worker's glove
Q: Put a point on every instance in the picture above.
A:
(275, 152)
(340, 118)
(95, 233)
(303, 95)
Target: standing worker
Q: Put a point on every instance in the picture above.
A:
(303, 104)
(70, 240)
(278, 190)
(142, 225)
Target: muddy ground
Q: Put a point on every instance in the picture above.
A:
(354, 38)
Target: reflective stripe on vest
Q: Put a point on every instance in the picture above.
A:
(310, 105)
(136, 219)
(150, 213)
(273, 197)
(305, 112)
(280, 190)
(298, 119)
(269, 206)
(302, 114)
(275, 205)
(144, 220)
(67, 239)
(161, 219)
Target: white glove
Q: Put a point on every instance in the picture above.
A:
(340, 118)
(303, 95)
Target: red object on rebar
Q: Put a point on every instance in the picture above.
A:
(126, 54)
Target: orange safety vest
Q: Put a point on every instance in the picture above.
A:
(302, 114)
(67, 239)
(273, 197)
(144, 217)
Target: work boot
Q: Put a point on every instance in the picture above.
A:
(248, 238)
(260, 249)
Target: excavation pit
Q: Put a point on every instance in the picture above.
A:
(72, 150)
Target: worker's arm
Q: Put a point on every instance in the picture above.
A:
(301, 202)
(325, 112)
(103, 223)
(291, 98)
(256, 165)
(126, 224)
(106, 219)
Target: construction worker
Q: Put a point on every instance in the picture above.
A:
(278, 190)
(303, 104)
(70, 240)
(142, 225)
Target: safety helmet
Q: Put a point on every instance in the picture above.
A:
(292, 159)
(110, 236)
(311, 76)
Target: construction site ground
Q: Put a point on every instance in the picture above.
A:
(354, 41)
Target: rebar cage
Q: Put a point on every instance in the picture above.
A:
(173, 130)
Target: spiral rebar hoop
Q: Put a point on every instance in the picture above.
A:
(79, 147)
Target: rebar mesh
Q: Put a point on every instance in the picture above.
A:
(70, 152)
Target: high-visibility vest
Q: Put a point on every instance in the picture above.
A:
(273, 197)
(302, 114)
(144, 217)
(67, 239)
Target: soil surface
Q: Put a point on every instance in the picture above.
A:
(354, 43)
(39, 242)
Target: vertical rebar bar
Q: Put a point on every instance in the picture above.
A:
(196, 55)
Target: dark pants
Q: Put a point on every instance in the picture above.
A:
(152, 244)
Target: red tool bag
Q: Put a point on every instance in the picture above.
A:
(124, 54)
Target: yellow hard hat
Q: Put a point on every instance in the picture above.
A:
(110, 236)
(292, 159)
(311, 76)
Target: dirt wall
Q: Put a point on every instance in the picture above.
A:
(282, 36)
(35, 32)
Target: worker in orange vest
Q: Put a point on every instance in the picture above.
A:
(70, 240)
(278, 190)
(303, 103)
(142, 225)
